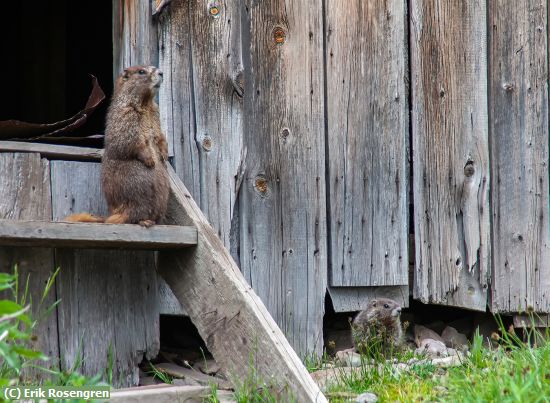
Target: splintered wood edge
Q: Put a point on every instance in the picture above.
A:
(87, 235)
(52, 151)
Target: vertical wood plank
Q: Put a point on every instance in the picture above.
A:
(283, 210)
(519, 152)
(450, 152)
(134, 35)
(367, 140)
(109, 298)
(25, 195)
(202, 102)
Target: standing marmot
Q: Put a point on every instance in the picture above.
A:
(133, 169)
(378, 328)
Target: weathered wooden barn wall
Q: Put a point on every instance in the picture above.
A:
(290, 125)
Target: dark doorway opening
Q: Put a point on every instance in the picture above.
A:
(49, 50)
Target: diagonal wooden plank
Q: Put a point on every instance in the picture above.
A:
(229, 316)
(450, 152)
(84, 235)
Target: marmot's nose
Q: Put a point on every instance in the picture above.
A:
(159, 71)
(398, 310)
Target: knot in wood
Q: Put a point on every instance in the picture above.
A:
(207, 143)
(261, 184)
(214, 10)
(469, 169)
(279, 35)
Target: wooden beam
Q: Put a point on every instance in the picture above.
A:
(159, 394)
(52, 151)
(85, 235)
(230, 317)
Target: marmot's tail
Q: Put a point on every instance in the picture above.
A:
(84, 217)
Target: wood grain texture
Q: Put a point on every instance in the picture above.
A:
(450, 152)
(367, 115)
(228, 314)
(349, 299)
(84, 235)
(201, 104)
(25, 195)
(519, 155)
(108, 298)
(52, 151)
(135, 38)
(283, 250)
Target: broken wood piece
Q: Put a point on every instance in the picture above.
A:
(230, 317)
(85, 235)
(180, 372)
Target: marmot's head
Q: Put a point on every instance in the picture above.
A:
(380, 308)
(139, 81)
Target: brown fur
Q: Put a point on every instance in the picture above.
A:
(382, 317)
(133, 170)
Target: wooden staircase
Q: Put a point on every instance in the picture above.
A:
(201, 273)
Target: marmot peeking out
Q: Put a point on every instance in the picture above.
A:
(134, 178)
(378, 327)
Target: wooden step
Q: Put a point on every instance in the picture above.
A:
(104, 236)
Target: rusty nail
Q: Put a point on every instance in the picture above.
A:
(279, 35)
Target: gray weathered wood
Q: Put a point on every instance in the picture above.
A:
(229, 316)
(25, 194)
(519, 152)
(450, 152)
(348, 299)
(200, 106)
(134, 35)
(84, 235)
(160, 394)
(52, 151)
(283, 250)
(177, 115)
(108, 298)
(367, 116)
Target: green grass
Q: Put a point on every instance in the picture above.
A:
(513, 371)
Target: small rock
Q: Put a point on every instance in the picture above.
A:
(434, 348)
(450, 361)
(422, 333)
(367, 397)
(208, 367)
(454, 339)
(348, 358)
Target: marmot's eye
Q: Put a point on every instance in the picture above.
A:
(386, 306)
(142, 72)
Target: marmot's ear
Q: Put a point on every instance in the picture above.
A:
(125, 74)
(373, 302)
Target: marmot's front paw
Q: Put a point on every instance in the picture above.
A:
(146, 223)
(149, 162)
